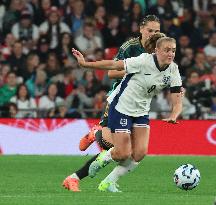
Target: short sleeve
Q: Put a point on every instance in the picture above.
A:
(133, 65)
(175, 77)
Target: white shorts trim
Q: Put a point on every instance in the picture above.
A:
(123, 130)
(141, 125)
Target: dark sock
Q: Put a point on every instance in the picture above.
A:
(83, 172)
(98, 135)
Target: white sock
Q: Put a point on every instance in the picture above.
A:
(123, 168)
(74, 175)
(107, 156)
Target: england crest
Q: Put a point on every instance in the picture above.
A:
(123, 122)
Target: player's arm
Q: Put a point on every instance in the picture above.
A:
(103, 64)
(121, 55)
(112, 74)
(176, 100)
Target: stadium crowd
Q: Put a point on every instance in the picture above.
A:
(39, 77)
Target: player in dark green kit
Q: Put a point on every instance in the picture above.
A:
(131, 48)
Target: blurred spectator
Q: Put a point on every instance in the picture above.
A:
(39, 9)
(207, 27)
(67, 84)
(178, 7)
(17, 58)
(134, 30)
(32, 63)
(37, 84)
(6, 47)
(99, 103)
(50, 100)
(163, 102)
(99, 55)
(12, 14)
(161, 8)
(168, 26)
(77, 101)
(53, 27)
(43, 48)
(2, 13)
(53, 66)
(64, 49)
(91, 7)
(182, 43)
(201, 9)
(25, 30)
(100, 17)
(9, 89)
(212, 10)
(4, 69)
(189, 29)
(125, 13)
(33, 7)
(90, 83)
(210, 77)
(136, 15)
(198, 93)
(88, 41)
(44, 8)
(201, 65)
(68, 7)
(186, 61)
(210, 49)
(10, 110)
(213, 106)
(75, 18)
(114, 37)
(24, 102)
(61, 112)
(188, 109)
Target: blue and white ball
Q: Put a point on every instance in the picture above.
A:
(187, 177)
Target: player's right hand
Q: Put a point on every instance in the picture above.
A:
(79, 56)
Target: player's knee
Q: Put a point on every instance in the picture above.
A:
(138, 156)
(123, 154)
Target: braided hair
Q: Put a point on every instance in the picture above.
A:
(150, 43)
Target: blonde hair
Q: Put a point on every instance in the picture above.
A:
(164, 39)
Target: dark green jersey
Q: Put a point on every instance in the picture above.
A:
(130, 48)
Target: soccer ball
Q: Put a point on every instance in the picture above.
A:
(187, 177)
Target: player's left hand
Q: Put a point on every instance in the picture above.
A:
(170, 120)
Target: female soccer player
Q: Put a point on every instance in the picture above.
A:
(146, 76)
(105, 140)
(150, 26)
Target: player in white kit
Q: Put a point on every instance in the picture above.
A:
(128, 120)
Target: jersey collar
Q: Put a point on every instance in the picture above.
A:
(157, 64)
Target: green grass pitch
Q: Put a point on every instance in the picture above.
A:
(36, 180)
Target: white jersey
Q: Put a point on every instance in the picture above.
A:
(142, 81)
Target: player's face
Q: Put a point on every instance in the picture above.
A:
(149, 29)
(166, 52)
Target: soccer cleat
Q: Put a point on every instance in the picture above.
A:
(71, 184)
(88, 139)
(96, 165)
(108, 187)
